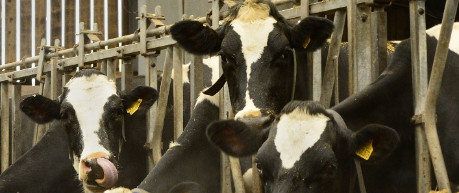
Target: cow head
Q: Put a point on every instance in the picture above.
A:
(92, 112)
(256, 46)
(305, 149)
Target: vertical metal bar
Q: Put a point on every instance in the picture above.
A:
(419, 79)
(5, 129)
(433, 90)
(237, 175)
(313, 60)
(196, 79)
(332, 57)
(151, 79)
(81, 43)
(143, 28)
(40, 129)
(178, 91)
(379, 43)
(16, 122)
(257, 186)
(65, 78)
(126, 74)
(162, 104)
(111, 69)
(103, 66)
(359, 45)
(56, 77)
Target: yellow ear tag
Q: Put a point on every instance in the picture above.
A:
(134, 107)
(366, 150)
(306, 42)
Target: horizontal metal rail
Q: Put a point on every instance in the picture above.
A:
(95, 46)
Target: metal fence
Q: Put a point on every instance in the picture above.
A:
(56, 64)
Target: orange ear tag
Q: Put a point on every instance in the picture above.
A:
(366, 150)
(306, 42)
(134, 107)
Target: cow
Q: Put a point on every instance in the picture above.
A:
(92, 112)
(287, 160)
(256, 45)
(191, 158)
(305, 149)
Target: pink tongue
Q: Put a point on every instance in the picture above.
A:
(110, 173)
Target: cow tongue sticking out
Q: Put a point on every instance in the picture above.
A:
(110, 173)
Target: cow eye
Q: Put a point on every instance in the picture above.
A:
(259, 166)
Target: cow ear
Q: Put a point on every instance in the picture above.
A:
(195, 37)
(373, 143)
(139, 100)
(186, 187)
(236, 138)
(40, 109)
(311, 33)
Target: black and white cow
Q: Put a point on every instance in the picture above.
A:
(92, 112)
(313, 154)
(256, 44)
(191, 158)
(305, 149)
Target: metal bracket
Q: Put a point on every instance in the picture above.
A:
(418, 119)
(146, 19)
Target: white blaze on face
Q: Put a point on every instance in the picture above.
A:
(254, 38)
(297, 132)
(453, 43)
(88, 96)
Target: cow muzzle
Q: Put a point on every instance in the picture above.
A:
(98, 172)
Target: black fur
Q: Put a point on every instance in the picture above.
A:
(147, 94)
(40, 109)
(316, 28)
(231, 136)
(196, 38)
(187, 187)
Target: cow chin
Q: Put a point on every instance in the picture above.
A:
(96, 172)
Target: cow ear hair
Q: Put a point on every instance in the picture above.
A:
(236, 138)
(187, 187)
(311, 33)
(40, 109)
(373, 143)
(196, 38)
(140, 99)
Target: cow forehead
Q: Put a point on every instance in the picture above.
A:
(88, 95)
(298, 131)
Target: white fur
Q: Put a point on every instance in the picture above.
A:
(211, 99)
(173, 144)
(254, 37)
(297, 132)
(185, 69)
(453, 43)
(214, 64)
(88, 96)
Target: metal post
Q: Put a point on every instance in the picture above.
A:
(162, 105)
(103, 67)
(257, 186)
(56, 79)
(196, 79)
(379, 43)
(151, 79)
(432, 95)
(5, 128)
(111, 69)
(359, 45)
(332, 57)
(419, 79)
(81, 45)
(16, 122)
(178, 91)
(126, 74)
(237, 175)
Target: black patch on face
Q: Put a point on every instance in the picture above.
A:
(111, 124)
(72, 127)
